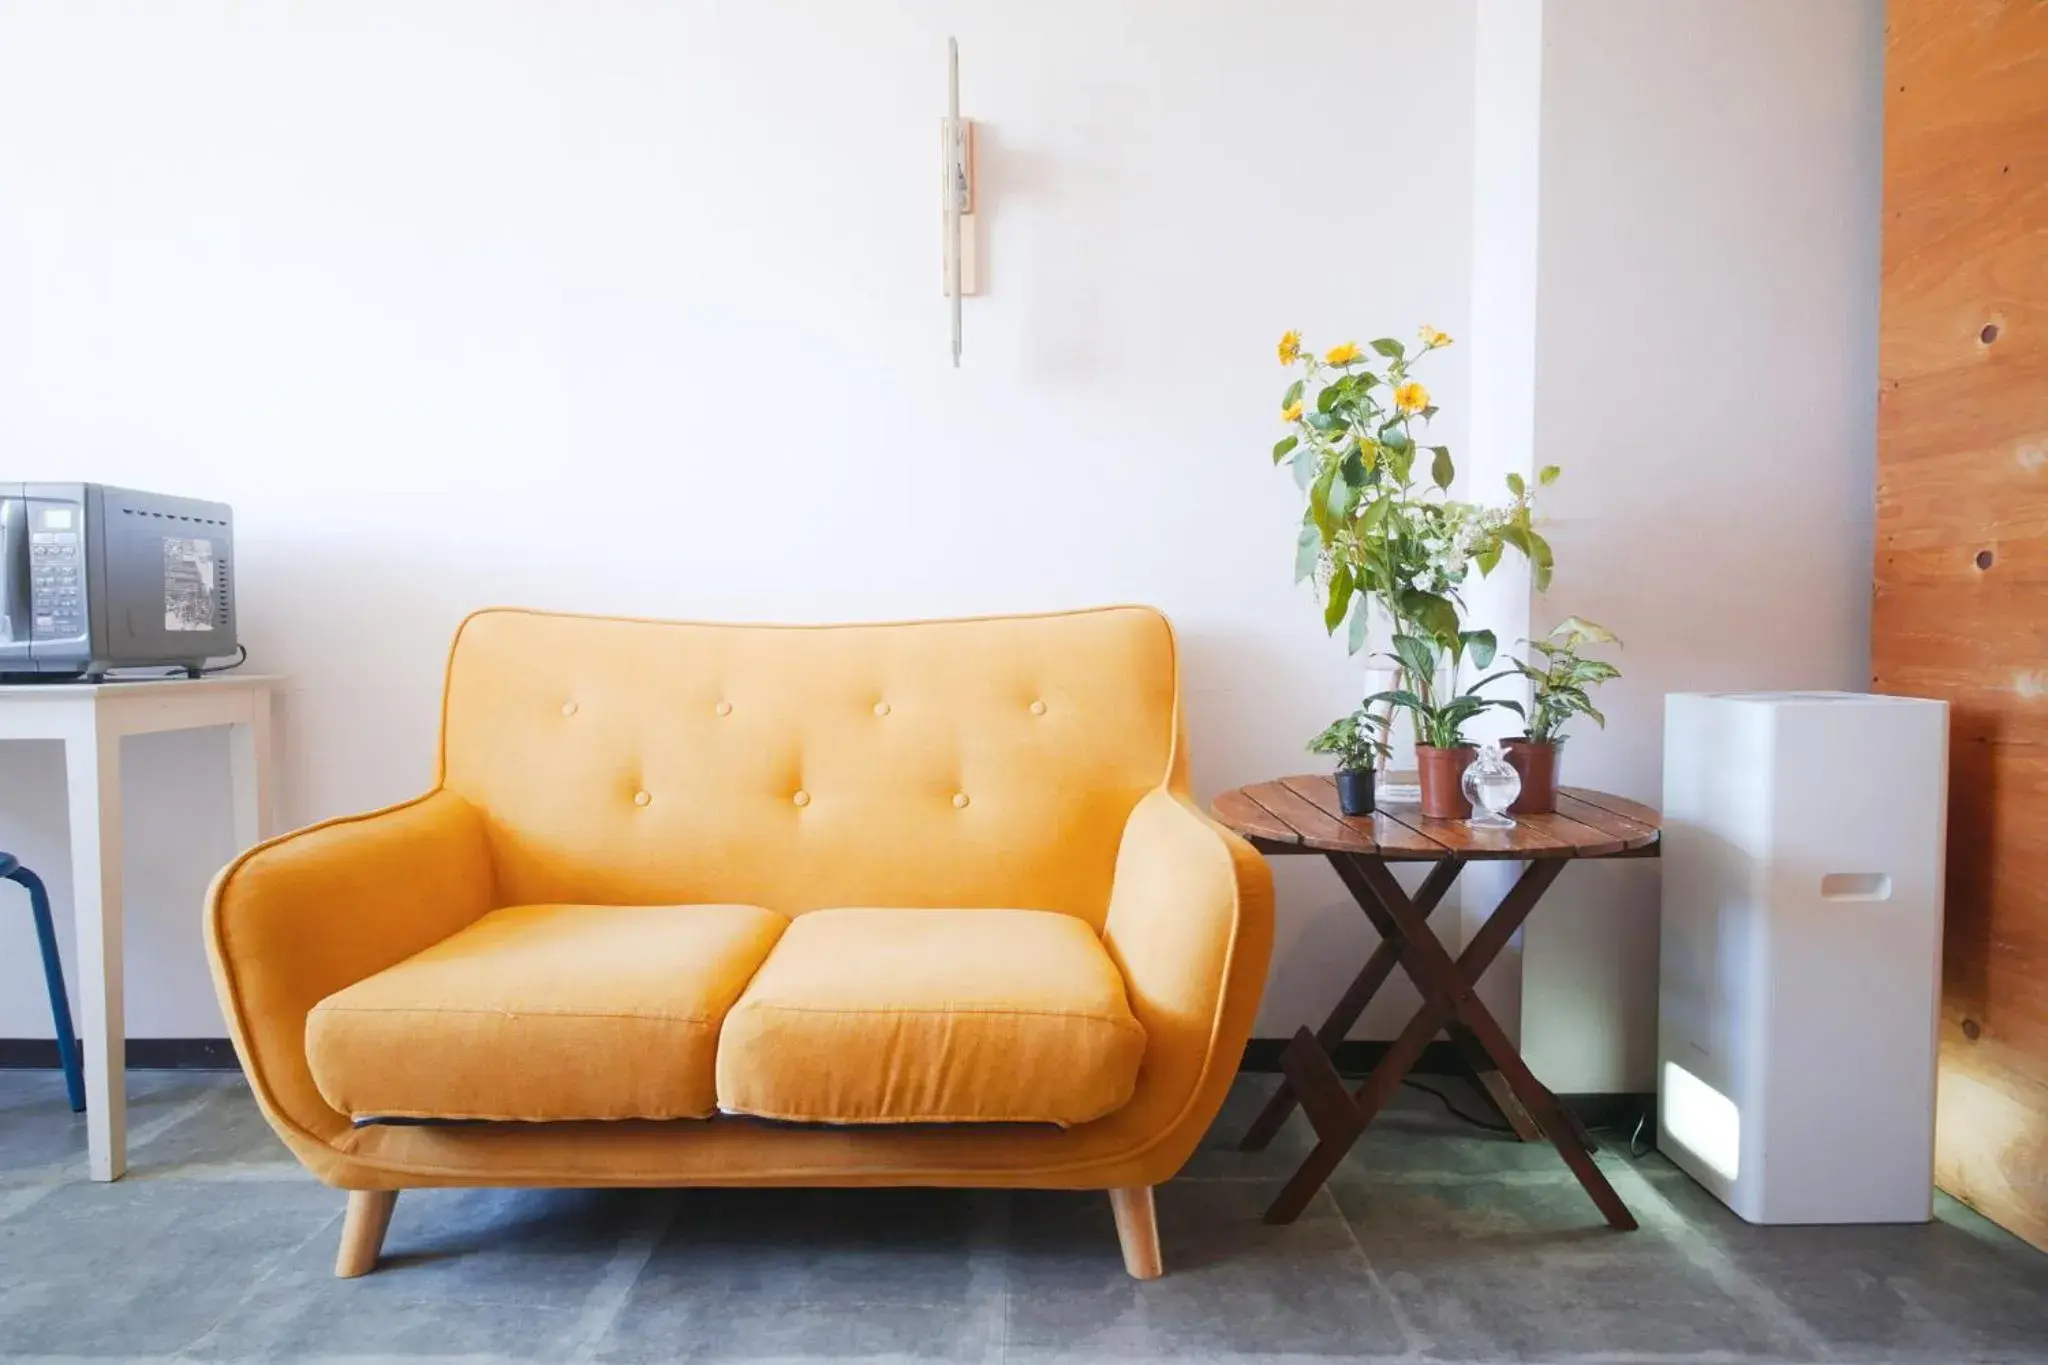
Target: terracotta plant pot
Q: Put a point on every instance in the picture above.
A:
(1354, 792)
(1537, 763)
(1443, 776)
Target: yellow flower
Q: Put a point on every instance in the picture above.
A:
(1341, 355)
(1411, 397)
(1292, 412)
(1432, 338)
(1290, 348)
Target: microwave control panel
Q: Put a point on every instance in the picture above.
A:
(56, 571)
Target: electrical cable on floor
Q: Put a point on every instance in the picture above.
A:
(1455, 1112)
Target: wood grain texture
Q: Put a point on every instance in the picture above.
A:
(1628, 833)
(1527, 839)
(1137, 1229)
(1962, 547)
(1239, 812)
(1301, 815)
(362, 1231)
(1392, 838)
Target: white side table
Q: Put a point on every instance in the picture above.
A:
(91, 719)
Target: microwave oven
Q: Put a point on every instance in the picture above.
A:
(94, 578)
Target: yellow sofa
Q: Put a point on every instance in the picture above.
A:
(916, 904)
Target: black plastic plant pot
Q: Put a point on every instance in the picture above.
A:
(1354, 792)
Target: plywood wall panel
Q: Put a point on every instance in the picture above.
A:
(1961, 607)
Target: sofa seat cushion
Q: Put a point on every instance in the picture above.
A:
(932, 1016)
(545, 1012)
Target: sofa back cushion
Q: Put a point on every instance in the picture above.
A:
(929, 764)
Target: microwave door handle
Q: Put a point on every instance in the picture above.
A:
(16, 572)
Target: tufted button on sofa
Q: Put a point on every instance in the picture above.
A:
(916, 904)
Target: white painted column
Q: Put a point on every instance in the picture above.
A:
(1508, 107)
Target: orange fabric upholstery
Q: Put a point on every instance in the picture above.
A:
(589, 763)
(944, 764)
(932, 1016)
(541, 1013)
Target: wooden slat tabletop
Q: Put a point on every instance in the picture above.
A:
(1300, 815)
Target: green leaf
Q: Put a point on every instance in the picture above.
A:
(1540, 559)
(1288, 399)
(1327, 399)
(1361, 611)
(1437, 615)
(1374, 515)
(1308, 548)
(1547, 475)
(1516, 486)
(1389, 348)
(1324, 422)
(1488, 560)
(1353, 469)
(1441, 471)
(1401, 697)
(1416, 655)
(1575, 631)
(1340, 496)
(1284, 447)
(1481, 645)
(1339, 600)
(1319, 500)
(1305, 462)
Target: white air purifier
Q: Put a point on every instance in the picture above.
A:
(1801, 951)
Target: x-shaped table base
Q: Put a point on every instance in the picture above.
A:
(1449, 1002)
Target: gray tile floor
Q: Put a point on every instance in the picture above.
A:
(1436, 1242)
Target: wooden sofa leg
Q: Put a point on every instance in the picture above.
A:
(1137, 1227)
(362, 1231)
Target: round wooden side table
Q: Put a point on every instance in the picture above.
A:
(1293, 815)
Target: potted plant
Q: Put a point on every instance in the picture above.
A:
(1560, 685)
(1439, 712)
(1381, 536)
(1353, 742)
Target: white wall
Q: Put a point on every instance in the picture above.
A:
(633, 306)
(1707, 376)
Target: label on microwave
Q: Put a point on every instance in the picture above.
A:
(188, 584)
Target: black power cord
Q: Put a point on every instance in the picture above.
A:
(241, 657)
(1455, 1112)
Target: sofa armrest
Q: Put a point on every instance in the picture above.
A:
(296, 919)
(1190, 926)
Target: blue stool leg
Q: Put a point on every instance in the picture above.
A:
(53, 973)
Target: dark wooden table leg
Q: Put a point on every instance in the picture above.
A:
(1378, 967)
(1437, 1012)
(1339, 1130)
(1493, 1085)
(1438, 977)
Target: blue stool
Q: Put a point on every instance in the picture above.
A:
(53, 973)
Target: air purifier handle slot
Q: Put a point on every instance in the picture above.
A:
(1856, 886)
